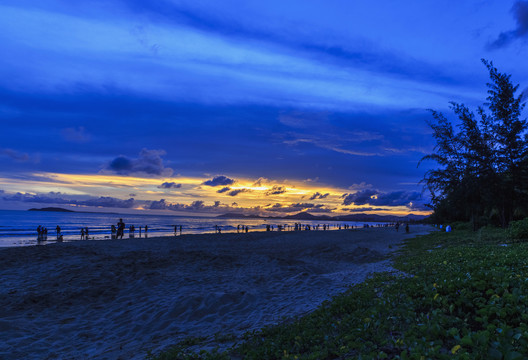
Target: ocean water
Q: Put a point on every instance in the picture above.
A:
(19, 228)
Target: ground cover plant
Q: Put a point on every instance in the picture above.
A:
(459, 295)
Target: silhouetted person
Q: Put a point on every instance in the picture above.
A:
(407, 228)
(120, 229)
(113, 230)
(82, 233)
(58, 231)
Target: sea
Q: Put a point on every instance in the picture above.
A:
(19, 228)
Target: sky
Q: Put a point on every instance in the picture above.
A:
(256, 107)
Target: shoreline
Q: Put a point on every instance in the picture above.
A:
(122, 298)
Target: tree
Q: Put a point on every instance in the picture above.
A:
(484, 167)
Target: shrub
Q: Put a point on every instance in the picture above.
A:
(461, 226)
(519, 229)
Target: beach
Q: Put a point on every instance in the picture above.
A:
(119, 299)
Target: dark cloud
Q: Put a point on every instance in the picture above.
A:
(520, 13)
(76, 135)
(169, 185)
(359, 198)
(107, 201)
(276, 190)
(149, 162)
(318, 195)
(224, 189)
(374, 197)
(397, 198)
(219, 181)
(163, 205)
(259, 181)
(298, 208)
(62, 199)
(195, 206)
(15, 155)
(237, 191)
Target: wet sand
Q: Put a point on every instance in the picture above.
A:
(118, 299)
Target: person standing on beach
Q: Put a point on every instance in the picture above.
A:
(146, 230)
(58, 231)
(113, 231)
(120, 229)
(82, 233)
(86, 232)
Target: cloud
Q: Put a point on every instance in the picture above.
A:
(224, 189)
(140, 34)
(360, 186)
(260, 181)
(195, 206)
(169, 185)
(520, 13)
(374, 197)
(361, 197)
(219, 181)
(237, 191)
(107, 201)
(62, 199)
(276, 190)
(318, 195)
(149, 162)
(18, 156)
(298, 208)
(76, 135)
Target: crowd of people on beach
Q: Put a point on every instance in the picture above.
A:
(118, 231)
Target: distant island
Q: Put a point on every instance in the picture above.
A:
(56, 209)
(52, 209)
(352, 217)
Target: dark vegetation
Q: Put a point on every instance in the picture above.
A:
(483, 176)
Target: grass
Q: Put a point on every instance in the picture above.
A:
(459, 295)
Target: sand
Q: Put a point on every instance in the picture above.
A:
(118, 299)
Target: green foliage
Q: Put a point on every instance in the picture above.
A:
(483, 174)
(519, 230)
(461, 226)
(459, 295)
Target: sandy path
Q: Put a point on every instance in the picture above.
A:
(118, 299)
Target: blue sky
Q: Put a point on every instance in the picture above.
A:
(102, 102)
